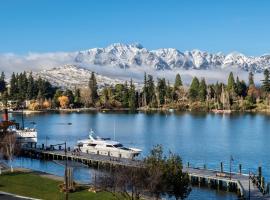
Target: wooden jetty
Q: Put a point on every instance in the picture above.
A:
(246, 186)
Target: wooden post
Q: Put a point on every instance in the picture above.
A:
(240, 169)
(260, 172)
(221, 167)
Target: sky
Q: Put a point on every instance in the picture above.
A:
(209, 25)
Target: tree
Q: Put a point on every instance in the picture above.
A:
(169, 93)
(177, 181)
(30, 87)
(70, 96)
(161, 90)
(9, 147)
(178, 82)
(231, 83)
(125, 98)
(2, 83)
(250, 79)
(77, 98)
(57, 94)
(93, 89)
(194, 89)
(64, 101)
(13, 91)
(155, 166)
(132, 97)
(145, 90)
(202, 90)
(266, 81)
(240, 87)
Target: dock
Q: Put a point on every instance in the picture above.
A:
(246, 186)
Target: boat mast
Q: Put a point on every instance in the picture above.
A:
(114, 130)
(22, 119)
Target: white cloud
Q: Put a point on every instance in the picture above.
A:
(10, 62)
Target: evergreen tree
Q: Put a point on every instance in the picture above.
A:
(151, 98)
(202, 90)
(70, 96)
(194, 89)
(125, 99)
(93, 89)
(2, 83)
(240, 87)
(132, 97)
(13, 91)
(231, 83)
(250, 79)
(145, 90)
(243, 88)
(57, 94)
(266, 81)
(169, 93)
(30, 87)
(77, 98)
(161, 90)
(178, 81)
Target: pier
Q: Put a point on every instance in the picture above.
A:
(246, 186)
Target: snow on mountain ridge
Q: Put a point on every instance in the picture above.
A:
(71, 76)
(126, 56)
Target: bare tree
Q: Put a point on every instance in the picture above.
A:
(9, 147)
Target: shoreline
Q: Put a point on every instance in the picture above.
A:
(142, 109)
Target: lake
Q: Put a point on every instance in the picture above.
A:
(200, 138)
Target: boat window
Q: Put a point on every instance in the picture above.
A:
(92, 145)
(109, 146)
(124, 148)
(118, 145)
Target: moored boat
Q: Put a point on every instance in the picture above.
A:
(106, 146)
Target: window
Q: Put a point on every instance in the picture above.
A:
(92, 145)
(118, 145)
(109, 146)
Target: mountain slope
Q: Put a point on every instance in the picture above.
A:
(70, 76)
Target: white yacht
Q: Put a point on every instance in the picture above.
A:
(25, 136)
(107, 147)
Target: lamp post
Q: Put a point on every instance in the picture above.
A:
(249, 185)
(66, 165)
(231, 160)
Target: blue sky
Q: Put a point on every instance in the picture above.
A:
(209, 25)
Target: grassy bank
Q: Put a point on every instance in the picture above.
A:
(33, 185)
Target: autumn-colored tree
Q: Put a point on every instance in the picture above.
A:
(64, 101)
(47, 104)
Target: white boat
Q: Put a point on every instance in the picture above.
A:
(106, 147)
(25, 136)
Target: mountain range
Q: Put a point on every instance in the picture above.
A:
(135, 55)
(120, 62)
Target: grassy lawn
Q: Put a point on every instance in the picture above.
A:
(32, 185)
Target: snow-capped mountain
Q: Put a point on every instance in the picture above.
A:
(118, 63)
(128, 56)
(71, 76)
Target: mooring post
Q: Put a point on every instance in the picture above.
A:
(221, 166)
(262, 182)
(240, 169)
(259, 172)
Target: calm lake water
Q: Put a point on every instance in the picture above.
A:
(198, 137)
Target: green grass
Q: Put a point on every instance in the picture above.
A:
(32, 185)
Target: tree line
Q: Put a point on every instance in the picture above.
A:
(159, 94)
